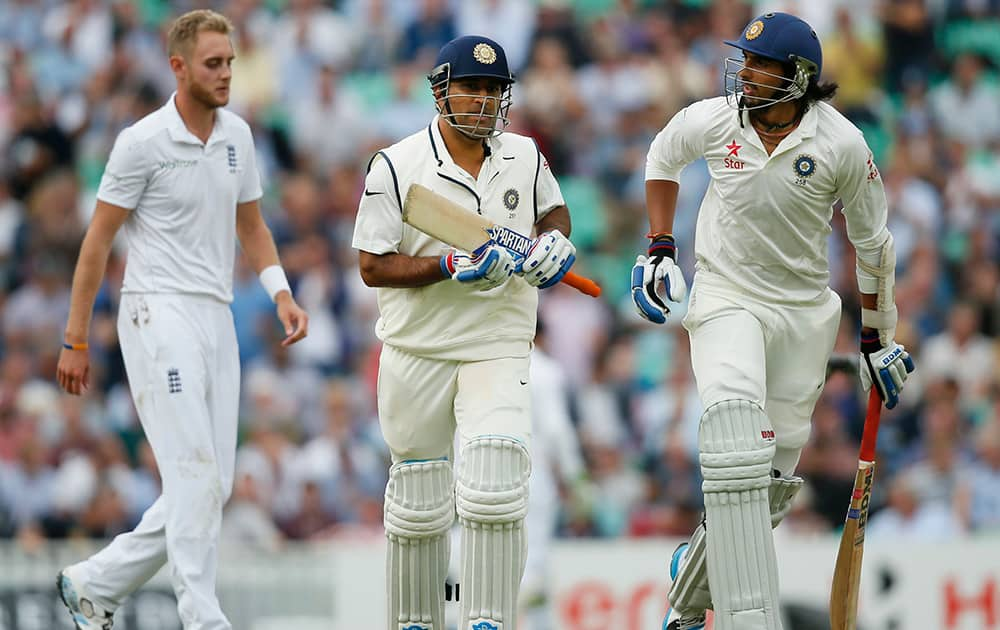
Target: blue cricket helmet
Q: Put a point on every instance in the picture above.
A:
(472, 56)
(781, 37)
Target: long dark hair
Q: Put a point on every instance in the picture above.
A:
(819, 91)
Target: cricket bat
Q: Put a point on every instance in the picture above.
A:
(450, 223)
(847, 571)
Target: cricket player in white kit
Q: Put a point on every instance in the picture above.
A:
(184, 184)
(761, 317)
(457, 329)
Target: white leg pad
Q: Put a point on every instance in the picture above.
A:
(492, 501)
(736, 443)
(689, 592)
(419, 510)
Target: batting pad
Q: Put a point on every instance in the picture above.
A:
(419, 510)
(689, 592)
(737, 447)
(492, 501)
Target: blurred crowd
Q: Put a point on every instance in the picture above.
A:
(324, 84)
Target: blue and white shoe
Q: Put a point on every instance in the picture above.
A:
(674, 620)
(87, 615)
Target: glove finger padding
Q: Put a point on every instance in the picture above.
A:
(673, 280)
(550, 257)
(887, 368)
(647, 301)
(647, 274)
(489, 267)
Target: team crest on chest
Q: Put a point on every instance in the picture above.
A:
(511, 198)
(805, 166)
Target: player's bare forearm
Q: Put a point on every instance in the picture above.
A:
(255, 237)
(556, 219)
(399, 270)
(90, 268)
(661, 204)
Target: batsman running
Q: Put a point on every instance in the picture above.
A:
(761, 317)
(457, 329)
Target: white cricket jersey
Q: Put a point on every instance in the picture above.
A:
(181, 233)
(447, 319)
(764, 221)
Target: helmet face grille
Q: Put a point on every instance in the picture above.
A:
(790, 90)
(492, 117)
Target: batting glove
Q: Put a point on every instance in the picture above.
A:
(657, 265)
(486, 268)
(886, 367)
(549, 258)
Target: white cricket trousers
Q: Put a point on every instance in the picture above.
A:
(423, 402)
(183, 368)
(772, 354)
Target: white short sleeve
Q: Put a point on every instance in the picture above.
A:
(378, 228)
(547, 193)
(126, 174)
(250, 188)
(681, 142)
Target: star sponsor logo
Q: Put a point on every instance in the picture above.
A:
(734, 152)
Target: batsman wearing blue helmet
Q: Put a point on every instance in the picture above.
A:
(761, 316)
(457, 329)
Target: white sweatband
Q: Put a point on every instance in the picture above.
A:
(274, 281)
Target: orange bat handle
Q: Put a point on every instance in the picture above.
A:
(583, 284)
(870, 435)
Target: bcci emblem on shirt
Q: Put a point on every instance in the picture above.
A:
(805, 166)
(510, 200)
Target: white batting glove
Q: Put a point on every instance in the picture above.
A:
(647, 274)
(486, 268)
(549, 258)
(886, 367)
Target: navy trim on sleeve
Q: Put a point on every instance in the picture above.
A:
(395, 180)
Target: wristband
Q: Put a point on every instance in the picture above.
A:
(655, 235)
(663, 245)
(76, 346)
(274, 281)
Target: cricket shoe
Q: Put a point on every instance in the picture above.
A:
(87, 615)
(674, 620)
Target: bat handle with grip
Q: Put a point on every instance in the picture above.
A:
(870, 435)
(582, 284)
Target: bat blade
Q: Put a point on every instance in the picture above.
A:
(847, 571)
(445, 220)
(448, 222)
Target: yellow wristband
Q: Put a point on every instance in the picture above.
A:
(76, 346)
